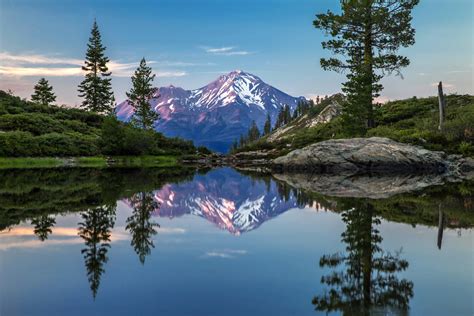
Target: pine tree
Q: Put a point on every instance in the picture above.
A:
(140, 95)
(242, 141)
(280, 118)
(235, 146)
(96, 87)
(286, 115)
(253, 133)
(43, 93)
(367, 34)
(268, 125)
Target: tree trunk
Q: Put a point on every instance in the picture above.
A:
(440, 226)
(368, 63)
(442, 106)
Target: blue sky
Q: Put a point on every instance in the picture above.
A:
(191, 42)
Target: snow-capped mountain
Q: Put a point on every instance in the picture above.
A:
(222, 196)
(218, 113)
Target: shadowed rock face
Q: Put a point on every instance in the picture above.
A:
(363, 155)
(361, 186)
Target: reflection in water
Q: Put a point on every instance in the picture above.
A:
(43, 226)
(368, 276)
(96, 229)
(364, 276)
(141, 228)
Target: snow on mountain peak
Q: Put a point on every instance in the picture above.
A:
(218, 113)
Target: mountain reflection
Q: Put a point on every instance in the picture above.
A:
(365, 276)
(368, 277)
(225, 197)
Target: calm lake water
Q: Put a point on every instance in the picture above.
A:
(220, 242)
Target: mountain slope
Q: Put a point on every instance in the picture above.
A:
(218, 113)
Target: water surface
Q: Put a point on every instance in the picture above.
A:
(220, 242)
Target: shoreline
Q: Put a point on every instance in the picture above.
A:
(166, 161)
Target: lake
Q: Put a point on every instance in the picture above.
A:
(223, 242)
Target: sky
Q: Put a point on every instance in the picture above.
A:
(189, 43)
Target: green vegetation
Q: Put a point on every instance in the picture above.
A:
(415, 121)
(89, 162)
(140, 95)
(40, 129)
(96, 88)
(36, 130)
(39, 162)
(366, 36)
(412, 121)
(32, 193)
(43, 93)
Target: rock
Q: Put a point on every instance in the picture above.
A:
(362, 155)
(330, 112)
(357, 186)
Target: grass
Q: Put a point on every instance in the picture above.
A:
(89, 162)
(29, 163)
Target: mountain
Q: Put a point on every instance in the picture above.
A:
(224, 197)
(218, 113)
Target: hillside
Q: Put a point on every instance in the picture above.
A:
(412, 121)
(32, 130)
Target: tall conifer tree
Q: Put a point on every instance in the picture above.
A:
(96, 88)
(253, 133)
(43, 93)
(268, 126)
(367, 35)
(140, 95)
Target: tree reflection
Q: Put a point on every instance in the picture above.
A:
(367, 278)
(140, 226)
(43, 226)
(96, 229)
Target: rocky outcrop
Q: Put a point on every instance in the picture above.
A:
(330, 112)
(375, 155)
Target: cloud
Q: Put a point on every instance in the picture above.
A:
(22, 65)
(219, 50)
(225, 51)
(6, 57)
(459, 71)
(225, 253)
(167, 63)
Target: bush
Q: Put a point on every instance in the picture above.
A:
(466, 148)
(118, 138)
(24, 144)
